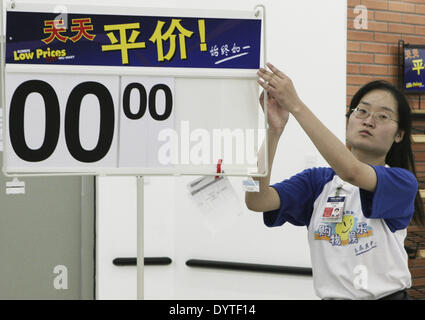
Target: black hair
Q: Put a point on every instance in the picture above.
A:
(400, 154)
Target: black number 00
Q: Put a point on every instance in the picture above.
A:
(144, 100)
(16, 117)
(72, 115)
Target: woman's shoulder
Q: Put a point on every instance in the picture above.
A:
(395, 171)
(320, 171)
(318, 174)
(395, 176)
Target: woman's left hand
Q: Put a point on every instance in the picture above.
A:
(280, 86)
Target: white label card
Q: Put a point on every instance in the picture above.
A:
(217, 200)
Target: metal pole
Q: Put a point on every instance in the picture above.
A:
(140, 238)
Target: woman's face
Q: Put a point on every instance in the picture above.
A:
(369, 135)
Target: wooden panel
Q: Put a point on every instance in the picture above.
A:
(418, 282)
(416, 262)
(418, 147)
(417, 272)
(418, 138)
(417, 293)
(415, 228)
(416, 111)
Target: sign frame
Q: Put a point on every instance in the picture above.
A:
(259, 13)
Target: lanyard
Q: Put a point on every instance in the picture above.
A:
(338, 189)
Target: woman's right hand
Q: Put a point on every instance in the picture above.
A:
(277, 116)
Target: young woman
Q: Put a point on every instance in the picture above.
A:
(357, 211)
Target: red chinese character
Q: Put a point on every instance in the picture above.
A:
(79, 25)
(55, 27)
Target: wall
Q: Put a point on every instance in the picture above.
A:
(372, 52)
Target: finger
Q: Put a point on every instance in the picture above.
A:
(276, 71)
(266, 86)
(268, 77)
(262, 97)
(269, 96)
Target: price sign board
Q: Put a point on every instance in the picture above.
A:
(414, 69)
(91, 92)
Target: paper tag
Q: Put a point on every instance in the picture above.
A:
(217, 200)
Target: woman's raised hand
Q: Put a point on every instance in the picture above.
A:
(280, 87)
(277, 117)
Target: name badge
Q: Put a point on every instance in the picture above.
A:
(334, 209)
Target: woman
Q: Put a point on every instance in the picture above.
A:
(357, 211)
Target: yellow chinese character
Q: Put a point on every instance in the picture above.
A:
(123, 44)
(408, 54)
(158, 37)
(419, 65)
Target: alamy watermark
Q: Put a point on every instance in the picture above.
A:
(201, 146)
(361, 20)
(361, 279)
(60, 282)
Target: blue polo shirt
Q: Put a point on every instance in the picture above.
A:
(362, 257)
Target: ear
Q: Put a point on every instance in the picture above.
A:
(399, 136)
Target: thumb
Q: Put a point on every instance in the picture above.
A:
(262, 100)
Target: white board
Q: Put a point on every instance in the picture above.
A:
(135, 120)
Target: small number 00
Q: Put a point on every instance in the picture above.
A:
(72, 116)
(143, 101)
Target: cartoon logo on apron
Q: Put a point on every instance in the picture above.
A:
(346, 232)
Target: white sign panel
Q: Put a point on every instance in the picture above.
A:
(62, 121)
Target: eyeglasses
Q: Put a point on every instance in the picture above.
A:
(379, 117)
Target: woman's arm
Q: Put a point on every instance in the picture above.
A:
(346, 166)
(267, 198)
